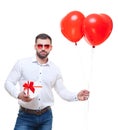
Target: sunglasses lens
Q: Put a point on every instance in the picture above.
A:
(46, 46)
(40, 46)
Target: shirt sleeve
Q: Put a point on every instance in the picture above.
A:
(63, 92)
(11, 81)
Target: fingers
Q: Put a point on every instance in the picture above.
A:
(85, 91)
(24, 97)
(83, 98)
(83, 95)
(86, 97)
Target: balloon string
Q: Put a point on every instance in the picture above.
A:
(89, 81)
(91, 71)
(91, 67)
(89, 84)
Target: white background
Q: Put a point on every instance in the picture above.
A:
(82, 67)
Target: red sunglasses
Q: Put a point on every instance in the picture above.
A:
(46, 46)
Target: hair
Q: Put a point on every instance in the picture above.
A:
(43, 36)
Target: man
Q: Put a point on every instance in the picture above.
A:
(38, 75)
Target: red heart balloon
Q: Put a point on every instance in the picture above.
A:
(108, 21)
(97, 28)
(71, 26)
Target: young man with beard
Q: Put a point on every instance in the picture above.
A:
(35, 112)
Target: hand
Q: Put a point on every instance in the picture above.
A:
(83, 95)
(24, 97)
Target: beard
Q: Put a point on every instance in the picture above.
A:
(42, 54)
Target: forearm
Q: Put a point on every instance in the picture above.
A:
(11, 89)
(67, 95)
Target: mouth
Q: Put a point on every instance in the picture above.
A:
(43, 53)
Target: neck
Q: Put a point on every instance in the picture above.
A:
(42, 61)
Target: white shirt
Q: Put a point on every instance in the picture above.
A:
(46, 75)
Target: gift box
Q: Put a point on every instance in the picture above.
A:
(31, 88)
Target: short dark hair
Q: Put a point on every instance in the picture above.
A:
(43, 36)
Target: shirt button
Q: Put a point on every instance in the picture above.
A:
(39, 98)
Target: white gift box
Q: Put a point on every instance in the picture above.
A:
(31, 88)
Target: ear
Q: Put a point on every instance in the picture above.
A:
(35, 46)
(51, 47)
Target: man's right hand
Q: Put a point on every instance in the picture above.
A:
(22, 96)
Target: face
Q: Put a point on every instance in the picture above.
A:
(43, 48)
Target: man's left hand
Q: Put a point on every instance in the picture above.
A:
(83, 95)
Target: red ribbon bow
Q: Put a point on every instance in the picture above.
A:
(29, 86)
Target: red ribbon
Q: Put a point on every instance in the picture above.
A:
(29, 86)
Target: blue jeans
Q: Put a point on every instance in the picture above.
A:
(26, 121)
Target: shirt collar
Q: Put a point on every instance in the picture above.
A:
(35, 60)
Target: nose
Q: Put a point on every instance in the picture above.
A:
(43, 48)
